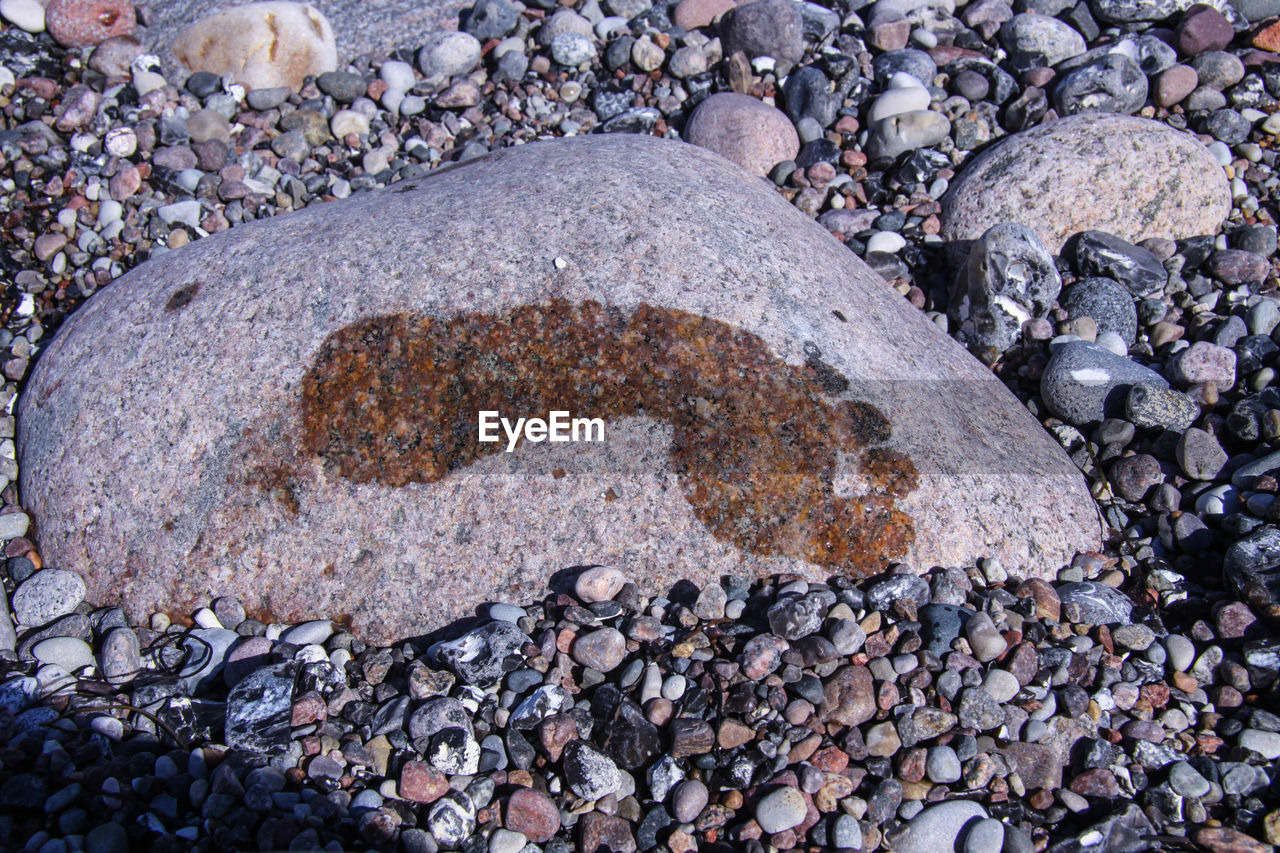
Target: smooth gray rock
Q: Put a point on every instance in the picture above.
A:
(1107, 302)
(1084, 383)
(243, 472)
(939, 827)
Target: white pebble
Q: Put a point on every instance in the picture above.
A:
(1113, 342)
(26, 14)
(886, 241)
(205, 618)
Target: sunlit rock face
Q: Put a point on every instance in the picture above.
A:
(288, 412)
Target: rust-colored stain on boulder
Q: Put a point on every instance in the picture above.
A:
(395, 400)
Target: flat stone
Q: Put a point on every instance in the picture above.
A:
(260, 45)
(1161, 183)
(266, 478)
(1084, 383)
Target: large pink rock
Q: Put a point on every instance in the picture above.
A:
(287, 412)
(1132, 177)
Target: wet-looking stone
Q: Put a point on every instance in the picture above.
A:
(394, 400)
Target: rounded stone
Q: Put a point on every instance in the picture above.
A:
(70, 653)
(1161, 183)
(602, 650)
(939, 827)
(46, 595)
(781, 809)
(260, 45)
(752, 134)
(85, 23)
(1107, 302)
(260, 477)
(692, 14)
(448, 54)
(764, 28)
(688, 800)
(25, 14)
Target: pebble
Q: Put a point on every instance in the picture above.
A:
(600, 583)
(46, 595)
(448, 54)
(781, 810)
(602, 650)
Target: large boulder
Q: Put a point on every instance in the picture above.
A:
(287, 412)
(1128, 176)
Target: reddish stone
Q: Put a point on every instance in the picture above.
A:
(1203, 29)
(1268, 37)
(733, 734)
(1222, 839)
(555, 732)
(911, 764)
(830, 759)
(422, 783)
(740, 128)
(1048, 605)
(85, 23)
(602, 832)
(308, 708)
(1234, 620)
(1098, 782)
(1156, 694)
(533, 813)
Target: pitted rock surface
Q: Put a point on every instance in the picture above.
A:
(291, 447)
(1159, 182)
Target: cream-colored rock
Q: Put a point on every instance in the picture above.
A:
(260, 45)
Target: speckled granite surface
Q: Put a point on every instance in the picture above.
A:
(283, 412)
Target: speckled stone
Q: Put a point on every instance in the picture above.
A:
(85, 23)
(261, 45)
(1161, 183)
(745, 130)
(247, 468)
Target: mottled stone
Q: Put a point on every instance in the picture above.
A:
(259, 709)
(274, 477)
(533, 813)
(849, 698)
(260, 45)
(85, 23)
(745, 130)
(764, 28)
(1161, 183)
